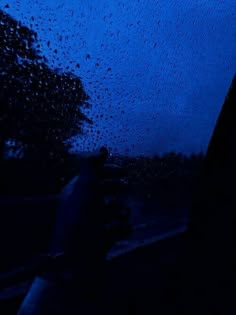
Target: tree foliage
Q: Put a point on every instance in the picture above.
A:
(40, 108)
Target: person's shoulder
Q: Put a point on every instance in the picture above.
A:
(68, 189)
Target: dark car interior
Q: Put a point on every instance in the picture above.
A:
(192, 272)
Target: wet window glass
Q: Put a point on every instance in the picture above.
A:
(145, 79)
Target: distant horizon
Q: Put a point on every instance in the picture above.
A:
(122, 154)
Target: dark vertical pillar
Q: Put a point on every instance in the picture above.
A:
(211, 250)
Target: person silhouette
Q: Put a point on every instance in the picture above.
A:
(79, 244)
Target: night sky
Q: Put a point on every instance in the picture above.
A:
(157, 72)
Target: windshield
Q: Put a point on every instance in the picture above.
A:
(145, 79)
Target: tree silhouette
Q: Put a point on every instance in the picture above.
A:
(39, 108)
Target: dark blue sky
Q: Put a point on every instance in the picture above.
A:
(157, 71)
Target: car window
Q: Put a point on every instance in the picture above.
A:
(145, 79)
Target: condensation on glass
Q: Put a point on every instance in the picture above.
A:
(149, 79)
